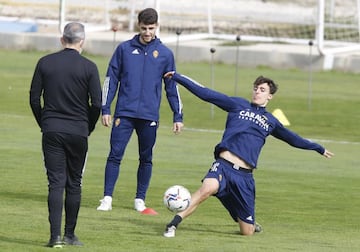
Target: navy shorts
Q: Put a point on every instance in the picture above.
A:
(236, 191)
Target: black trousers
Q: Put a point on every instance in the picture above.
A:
(65, 157)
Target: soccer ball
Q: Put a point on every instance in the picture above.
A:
(177, 198)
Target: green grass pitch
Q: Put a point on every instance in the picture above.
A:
(304, 201)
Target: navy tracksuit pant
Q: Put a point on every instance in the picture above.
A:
(122, 130)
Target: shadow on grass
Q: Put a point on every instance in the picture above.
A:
(24, 196)
(159, 229)
(16, 240)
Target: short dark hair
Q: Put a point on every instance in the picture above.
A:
(148, 16)
(73, 33)
(272, 85)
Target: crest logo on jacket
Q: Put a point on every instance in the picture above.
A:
(155, 54)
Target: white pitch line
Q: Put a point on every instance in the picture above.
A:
(211, 131)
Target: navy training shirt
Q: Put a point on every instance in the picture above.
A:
(247, 124)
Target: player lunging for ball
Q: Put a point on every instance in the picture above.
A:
(230, 177)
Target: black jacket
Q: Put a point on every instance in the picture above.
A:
(69, 86)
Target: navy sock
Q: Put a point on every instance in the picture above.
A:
(175, 222)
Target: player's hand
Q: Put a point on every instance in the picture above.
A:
(328, 154)
(169, 74)
(106, 120)
(177, 127)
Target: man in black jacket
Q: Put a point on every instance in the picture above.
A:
(65, 98)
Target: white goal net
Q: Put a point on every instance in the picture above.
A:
(331, 25)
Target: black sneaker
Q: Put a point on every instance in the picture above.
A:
(55, 242)
(73, 240)
(258, 228)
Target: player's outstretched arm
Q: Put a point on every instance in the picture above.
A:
(328, 154)
(206, 94)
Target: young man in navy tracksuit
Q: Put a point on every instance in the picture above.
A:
(230, 177)
(135, 73)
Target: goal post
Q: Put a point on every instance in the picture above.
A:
(337, 29)
(337, 32)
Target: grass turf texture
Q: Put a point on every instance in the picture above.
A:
(304, 202)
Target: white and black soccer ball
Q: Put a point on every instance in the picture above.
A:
(177, 198)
